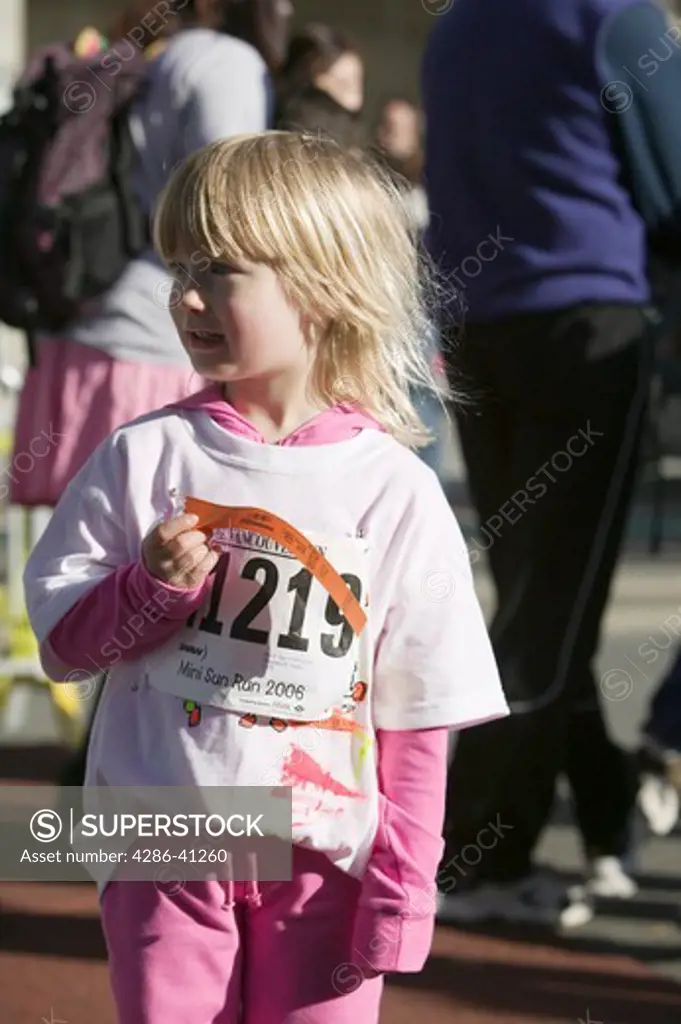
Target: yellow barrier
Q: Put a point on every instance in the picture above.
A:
(22, 645)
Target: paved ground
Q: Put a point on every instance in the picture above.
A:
(623, 968)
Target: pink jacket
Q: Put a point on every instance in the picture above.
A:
(396, 915)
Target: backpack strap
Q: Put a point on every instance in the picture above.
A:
(137, 231)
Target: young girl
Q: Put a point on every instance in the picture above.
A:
(299, 295)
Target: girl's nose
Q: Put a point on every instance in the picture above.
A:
(191, 300)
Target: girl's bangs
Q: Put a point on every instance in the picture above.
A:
(210, 208)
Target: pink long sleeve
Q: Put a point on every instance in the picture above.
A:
(127, 614)
(396, 916)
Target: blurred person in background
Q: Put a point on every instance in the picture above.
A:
(549, 180)
(399, 141)
(321, 87)
(143, 15)
(123, 357)
(398, 145)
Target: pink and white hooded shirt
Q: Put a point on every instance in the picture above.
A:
(259, 680)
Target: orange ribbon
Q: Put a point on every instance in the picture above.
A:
(215, 517)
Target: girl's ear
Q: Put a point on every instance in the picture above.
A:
(310, 330)
(314, 331)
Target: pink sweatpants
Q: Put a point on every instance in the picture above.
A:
(189, 957)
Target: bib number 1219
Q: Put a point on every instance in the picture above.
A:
(265, 572)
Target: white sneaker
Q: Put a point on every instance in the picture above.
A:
(580, 909)
(608, 879)
(536, 899)
(659, 803)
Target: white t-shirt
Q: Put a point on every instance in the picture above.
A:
(274, 639)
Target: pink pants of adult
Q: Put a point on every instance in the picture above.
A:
(191, 958)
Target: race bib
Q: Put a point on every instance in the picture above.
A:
(272, 639)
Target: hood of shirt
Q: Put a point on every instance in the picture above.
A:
(338, 423)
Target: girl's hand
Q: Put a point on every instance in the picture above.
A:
(179, 555)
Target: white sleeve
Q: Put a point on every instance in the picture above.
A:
(85, 540)
(230, 95)
(434, 663)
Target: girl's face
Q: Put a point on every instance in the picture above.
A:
(344, 82)
(237, 324)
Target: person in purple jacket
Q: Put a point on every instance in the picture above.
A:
(553, 165)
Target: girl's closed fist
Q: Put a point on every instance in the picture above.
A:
(178, 554)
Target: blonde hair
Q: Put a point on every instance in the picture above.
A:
(336, 231)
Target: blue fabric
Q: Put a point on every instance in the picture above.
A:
(529, 209)
(664, 723)
(431, 413)
(639, 54)
(430, 409)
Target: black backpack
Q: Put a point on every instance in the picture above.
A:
(69, 219)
